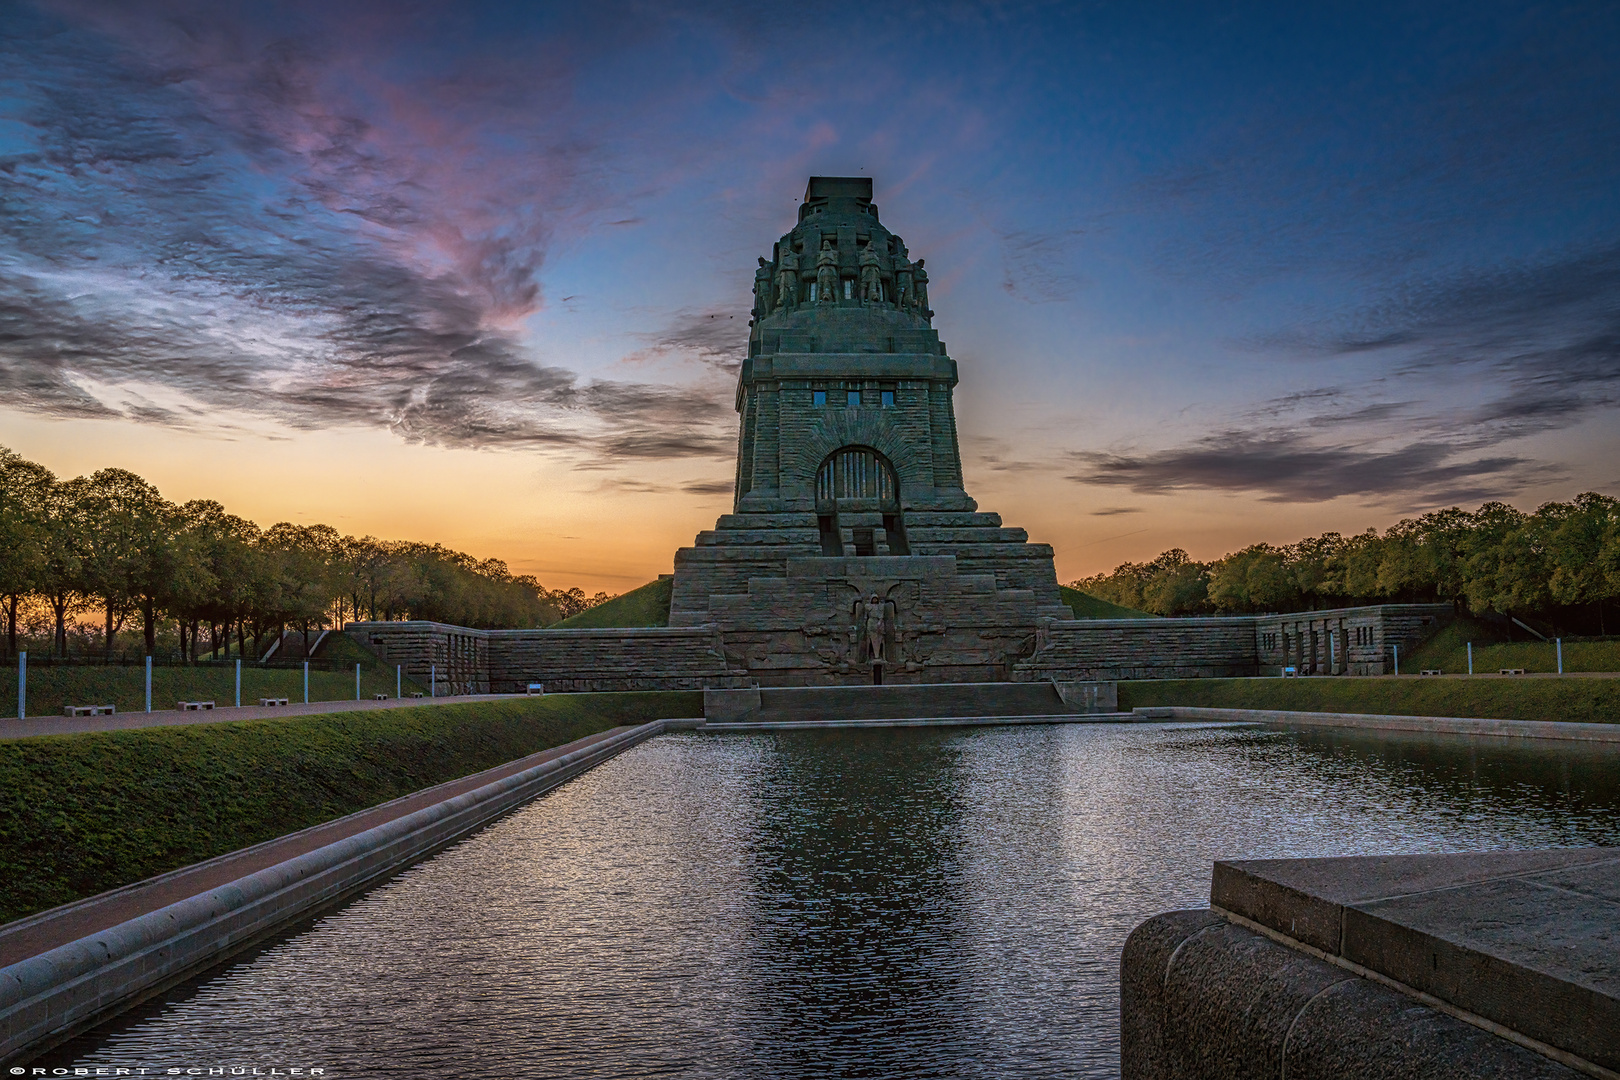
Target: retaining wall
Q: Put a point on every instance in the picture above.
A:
(1478, 964)
(55, 994)
(577, 661)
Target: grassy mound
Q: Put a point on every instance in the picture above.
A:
(81, 814)
(1086, 606)
(1447, 651)
(51, 688)
(1570, 698)
(646, 606)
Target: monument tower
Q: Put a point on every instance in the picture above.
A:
(854, 554)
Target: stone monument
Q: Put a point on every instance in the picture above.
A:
(853, 554)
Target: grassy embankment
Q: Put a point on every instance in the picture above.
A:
(51, 688)
(80, 814)
(1447, 651)
(645, 606)
(1569, 698)
(1086, 606)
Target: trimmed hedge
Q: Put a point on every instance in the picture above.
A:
(1568, 698)
(81, 814)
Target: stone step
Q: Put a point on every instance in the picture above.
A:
(980, 534)
(951, 519)
(766, 521)
(720, 538)
(892, 702)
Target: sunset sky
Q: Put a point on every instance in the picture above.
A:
(479, 273)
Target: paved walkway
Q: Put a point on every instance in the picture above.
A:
(68, 725)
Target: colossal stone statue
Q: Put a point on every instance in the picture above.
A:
(871, 275)
(902, 280)
(787, 275)
(762, 290)
(919, 289)
(827, 273)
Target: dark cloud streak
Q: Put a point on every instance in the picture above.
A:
(200, 211)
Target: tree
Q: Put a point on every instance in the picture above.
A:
(1254, 579)
(1576, 540)
(128, 558)
(24, 489)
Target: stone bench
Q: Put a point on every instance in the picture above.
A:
(1431, 671)
(1511, 671)
(379, 697)
(416, 693)
(193, 706)
(535, 688)
(272, 701)
(88, 710)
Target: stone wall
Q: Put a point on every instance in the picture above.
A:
(455, 659)
(650, 658)
(773, 620)
(1342, 641)
(1114, 649)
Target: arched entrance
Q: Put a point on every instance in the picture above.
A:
(857, 491)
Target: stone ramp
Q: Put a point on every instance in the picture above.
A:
(810, 704)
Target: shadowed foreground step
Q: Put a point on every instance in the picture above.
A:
(1500, 964)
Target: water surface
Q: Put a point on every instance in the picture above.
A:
(911, 902)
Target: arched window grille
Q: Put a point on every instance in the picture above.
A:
(856, 472)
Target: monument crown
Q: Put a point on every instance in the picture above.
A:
(845, 393)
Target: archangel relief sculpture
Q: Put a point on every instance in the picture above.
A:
(874, 620)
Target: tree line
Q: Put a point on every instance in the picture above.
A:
(109, 544)
(1561, 562)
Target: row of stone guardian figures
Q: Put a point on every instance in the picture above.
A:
(793, 281)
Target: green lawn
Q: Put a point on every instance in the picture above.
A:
(1569, 698)
(1447, 651)
(50, 688)
(646, 606)
(80, 814)
(1086, 606)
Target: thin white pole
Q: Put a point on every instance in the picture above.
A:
(22, 685)
(357, 682)
(238, 682)
(1560, 642)
(1470, 658)
(306, 682)
(398, 680)
(1397, 649)
(148, 684)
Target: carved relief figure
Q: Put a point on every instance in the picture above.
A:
(827, 273)
(902, 280)
(876, 623)
(762, 290)
(919, 288)
(787, 276)
(871, 275)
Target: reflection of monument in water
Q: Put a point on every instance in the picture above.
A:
(852, 545)
(853, 554)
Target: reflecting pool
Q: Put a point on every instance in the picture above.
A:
(908, 902)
